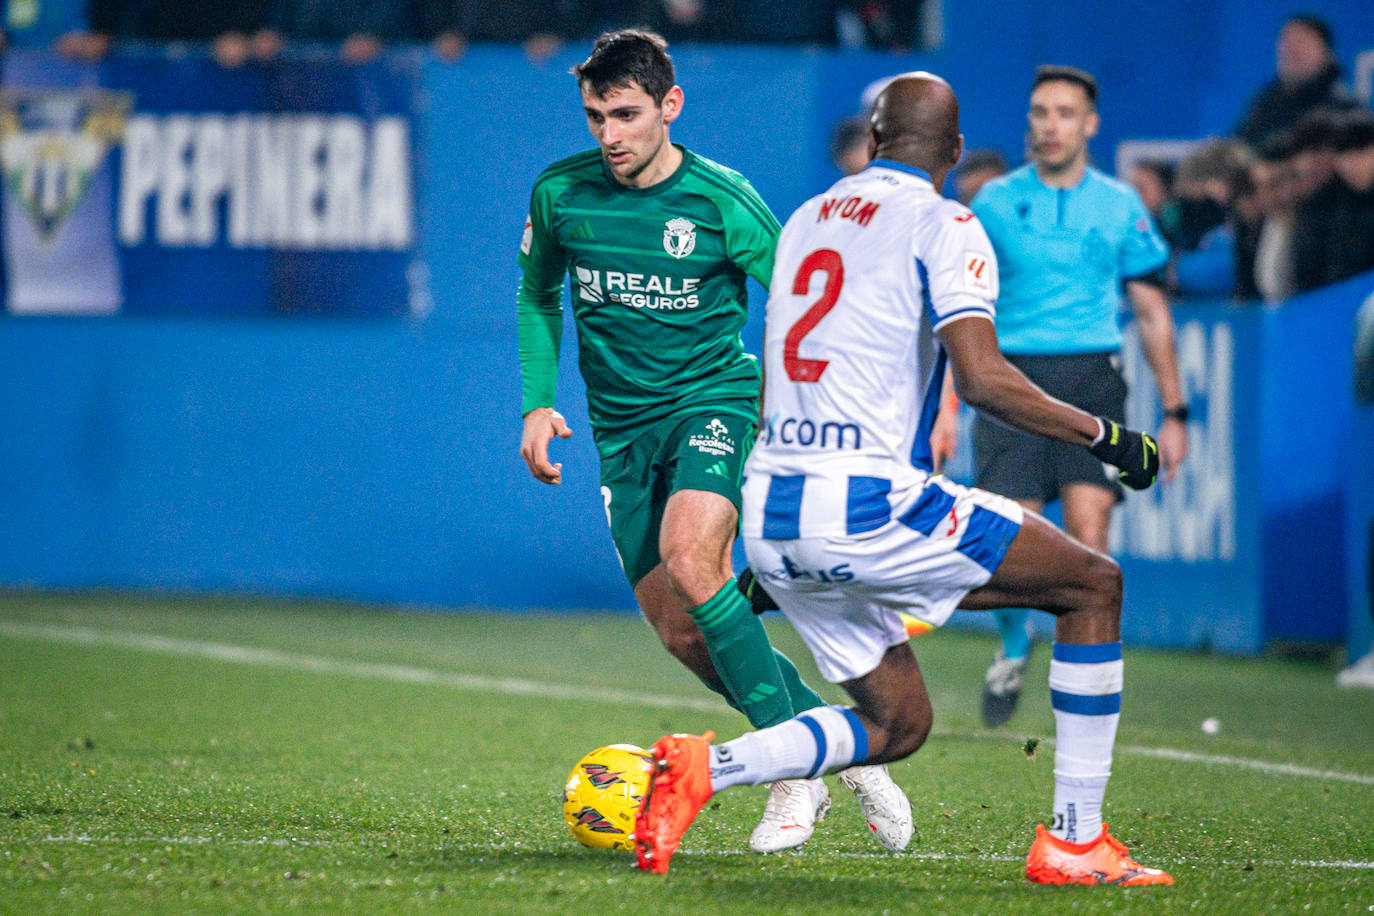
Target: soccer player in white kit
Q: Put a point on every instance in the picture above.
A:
(878, 284)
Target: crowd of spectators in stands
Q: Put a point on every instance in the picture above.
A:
(358, 29)
(1284, 206)
(1287, 204)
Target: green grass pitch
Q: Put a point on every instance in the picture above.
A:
(160, 755)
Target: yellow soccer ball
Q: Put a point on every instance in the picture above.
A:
(603, 793)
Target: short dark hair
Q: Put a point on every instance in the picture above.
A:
(1162, 168)
(1314, 24)
(976, 160)
(846, 134)
(628, 56)
(1049, 73)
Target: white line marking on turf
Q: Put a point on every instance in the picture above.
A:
(248, 655)
(1264, 766)
(87, 840)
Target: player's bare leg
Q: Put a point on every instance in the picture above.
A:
(1088, 513)
(1046, 568)
(892, 719)
(1006, 675)
(691, 601)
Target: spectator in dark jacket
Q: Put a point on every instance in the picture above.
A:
(1308, 78)
(1336, 227)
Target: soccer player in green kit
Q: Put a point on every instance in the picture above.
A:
(659, 243)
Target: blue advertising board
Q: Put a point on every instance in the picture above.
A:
(277, 188)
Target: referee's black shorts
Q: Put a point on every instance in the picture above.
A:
(1024, 466)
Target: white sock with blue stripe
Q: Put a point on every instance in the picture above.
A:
(1085, 690)
(816, 742)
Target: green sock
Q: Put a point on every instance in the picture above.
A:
(716, 685)
(739, 648)
(803, 697)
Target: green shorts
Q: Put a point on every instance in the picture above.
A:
(699, 451)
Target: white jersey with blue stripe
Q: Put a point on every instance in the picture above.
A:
(865, 275)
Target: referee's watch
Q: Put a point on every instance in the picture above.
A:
(1179, 413)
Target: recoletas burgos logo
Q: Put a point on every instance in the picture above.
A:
(52, 145)
(714, 440)
(680, 237)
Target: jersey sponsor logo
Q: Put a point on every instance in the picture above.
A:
(640, 291)
(714, 441)
(528, 237)
(680, 237)
(589, 285)
(841, 573)
(807, 433)
(977, 271)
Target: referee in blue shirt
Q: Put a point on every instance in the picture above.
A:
(1068, 239)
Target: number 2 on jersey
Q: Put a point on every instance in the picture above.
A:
(826, 260)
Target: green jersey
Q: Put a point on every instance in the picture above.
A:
(658, 292)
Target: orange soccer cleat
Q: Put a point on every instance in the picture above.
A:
(1103, 861)
(679, 787)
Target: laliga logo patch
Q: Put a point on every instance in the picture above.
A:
(52, 144)
(527, 239)
(977, 272)
(680, 237)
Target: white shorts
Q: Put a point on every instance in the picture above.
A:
(843, 593)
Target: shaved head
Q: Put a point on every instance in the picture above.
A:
(916, 120)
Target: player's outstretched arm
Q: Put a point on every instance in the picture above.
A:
(542, 425)
(990, 384)
(1156, 324)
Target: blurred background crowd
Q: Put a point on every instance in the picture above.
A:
(1283, 205)
(361, 28)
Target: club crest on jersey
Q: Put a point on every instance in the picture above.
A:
(680, 237)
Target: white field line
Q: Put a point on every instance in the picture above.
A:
(249, 655)
(487, 848)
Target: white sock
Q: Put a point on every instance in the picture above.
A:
(1085, 690)
(818, 741)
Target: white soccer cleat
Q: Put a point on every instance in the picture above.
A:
(886, 807)
(790, 817)
(1359, 674)
(1002, 688)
